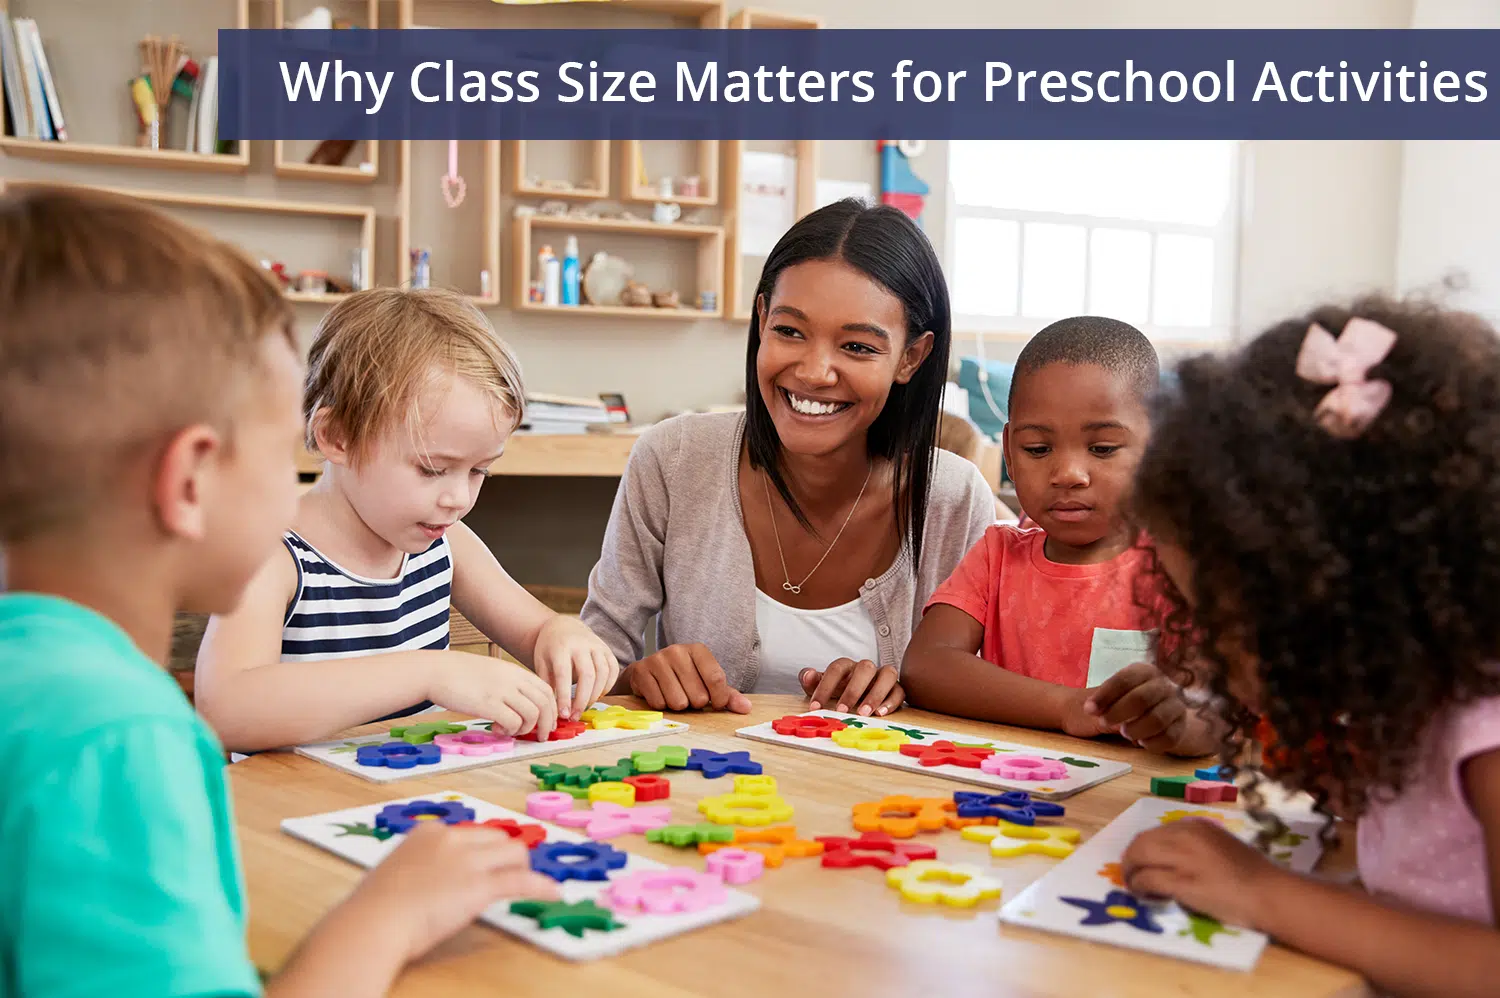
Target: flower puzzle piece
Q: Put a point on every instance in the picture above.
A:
(531, 836)
(577, 860)
(735, 865)
(552, 775)
(807, 726)
(716, 764)
(421, 734)
(666, 892)
(1014, 806)
(755, 784)
(1024, 767)
(548, 804)
(574, 918)
(659, 758)
(563, 731)
(649, 787)
(605, 820)
(870, 849)
(945, 753)
(622, 794)
(928, 881)
(621, 717)
(901, 816)
(1008, 840)
(866, 739)
(473, 743)
(745, 809)
(1210, 791)
(683, 836)
(774, 844)
(1117, 906)
(621, 769)
(398, 755)
(1171, 786)
(401, 818)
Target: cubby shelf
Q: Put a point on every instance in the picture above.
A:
(106, 155)
(489, 194)
(365, 172)
(619, 311)
(516, 163)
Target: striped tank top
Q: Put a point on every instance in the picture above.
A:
(337, 614)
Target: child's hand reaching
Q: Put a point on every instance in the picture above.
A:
(857, 687)
(1147, 708)
(1201, 866)
(515, 698)
(568, 653)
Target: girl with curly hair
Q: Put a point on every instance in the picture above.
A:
(1327, 509)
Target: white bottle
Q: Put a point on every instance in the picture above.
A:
(551, 270)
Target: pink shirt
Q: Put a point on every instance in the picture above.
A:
(1425, 848)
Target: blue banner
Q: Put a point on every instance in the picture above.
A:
(859, 84)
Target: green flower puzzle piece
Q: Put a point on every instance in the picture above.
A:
(572, 918)
(615, 773)
(683, 836)
(421, 734)
(554, 776)
(659, 758)
(1203, 929)
(1171, 786)
(360, 828)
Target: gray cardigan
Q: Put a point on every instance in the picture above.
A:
(676, 546)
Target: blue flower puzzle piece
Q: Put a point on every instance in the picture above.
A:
(1014, 806)
(576, 860)
(398, 755)
(1117, 906)
(715, 764)
(401, 818)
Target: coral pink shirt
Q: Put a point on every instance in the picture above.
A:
(1425, 848)
(1039, 616)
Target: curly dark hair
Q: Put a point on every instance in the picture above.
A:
(1356, 582)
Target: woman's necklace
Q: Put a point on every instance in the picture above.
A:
(787, 585)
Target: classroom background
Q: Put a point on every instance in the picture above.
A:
(1197, 243)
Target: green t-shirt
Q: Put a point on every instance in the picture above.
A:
(118, 871)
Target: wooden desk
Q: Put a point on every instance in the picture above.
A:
(826, 932)
(591, 455)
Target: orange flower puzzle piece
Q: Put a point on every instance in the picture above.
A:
(900, 816)
(775, 844)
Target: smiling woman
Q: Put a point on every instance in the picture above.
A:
(788, 550)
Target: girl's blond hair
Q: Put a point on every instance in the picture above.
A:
(376, 350)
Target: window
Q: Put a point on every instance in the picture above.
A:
(1140, 231)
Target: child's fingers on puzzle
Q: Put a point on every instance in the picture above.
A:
(543, 706)
(606, 671)
(877, 692)
(510, 882)
(581, 676)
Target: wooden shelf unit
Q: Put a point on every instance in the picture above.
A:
(708, 177)
(489, 192)
(571, 455)
(362, 173)
(710, 268)
(521, 187)
(707, 13)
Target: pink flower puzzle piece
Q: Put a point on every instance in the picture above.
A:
(1023, 767)
(548, 804)
(473, 743)
(666, 892)
(735, 866)
(605, 820)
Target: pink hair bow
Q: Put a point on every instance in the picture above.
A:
(1345, 363)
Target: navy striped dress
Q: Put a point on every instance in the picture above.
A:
(337, 614)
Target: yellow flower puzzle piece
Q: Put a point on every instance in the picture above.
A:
(762, 784)
(1231, 824)
(622, 794)
(745, 809)
(928, 881)
(870, 739)
(621, 717)
(1007, 839)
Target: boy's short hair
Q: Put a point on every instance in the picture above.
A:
(375, 352)
(1111, 344)
(118, 327)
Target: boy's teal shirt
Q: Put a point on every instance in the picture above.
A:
(118, 869)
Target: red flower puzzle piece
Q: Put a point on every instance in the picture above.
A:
(807, 726)
(564, 729)
(530, 835)
(871, 849)
(946, 753)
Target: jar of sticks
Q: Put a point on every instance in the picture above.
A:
(160, 61)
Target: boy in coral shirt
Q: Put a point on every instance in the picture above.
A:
(1055, 604)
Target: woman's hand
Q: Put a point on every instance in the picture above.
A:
(856, 687)
(680, 677)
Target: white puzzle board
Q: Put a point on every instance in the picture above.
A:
(1085, 876)
(326, 832)
(1089, 772)
(340, 754)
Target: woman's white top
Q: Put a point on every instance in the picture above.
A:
(792, 640)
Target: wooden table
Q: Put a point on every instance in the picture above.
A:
(823, 932)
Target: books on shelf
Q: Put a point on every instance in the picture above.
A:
(561, 414)
(206, 130)
(31, 100)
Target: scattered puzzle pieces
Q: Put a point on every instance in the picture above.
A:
(946, 753)
(577, 860)
(563, 731)
(621, 717)
(398, 755)
(735, 865)
(574, 918)
(605, 820)
(649, 787)
(753, 784)
(531, 836)
(900, 816)
(928, 881)
(866, 739)
(402, 818)
(745, 809)
(548, 804)
(1117, 906)
(1008, 840)
(1212, 773)
(683, 836)
(1171, 786)
(421, 734)
(775, 844)
(870, 849)
(715, 764)
(1014, 806)
(622, 794)
(666, 892)
(553, 776)
(659, 758)
(1210, 791)
(807, 726)
(620, 770)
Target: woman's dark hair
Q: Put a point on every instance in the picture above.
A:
(1359, 578)
(887, 247)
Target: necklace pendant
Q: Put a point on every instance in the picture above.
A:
(791, 588)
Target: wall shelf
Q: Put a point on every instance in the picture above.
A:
(520, 184)
(362, 173)
(106, 155)
(488, 192)
(707, 173)
(620, 311)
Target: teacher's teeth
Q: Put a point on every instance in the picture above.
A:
(811, 407)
